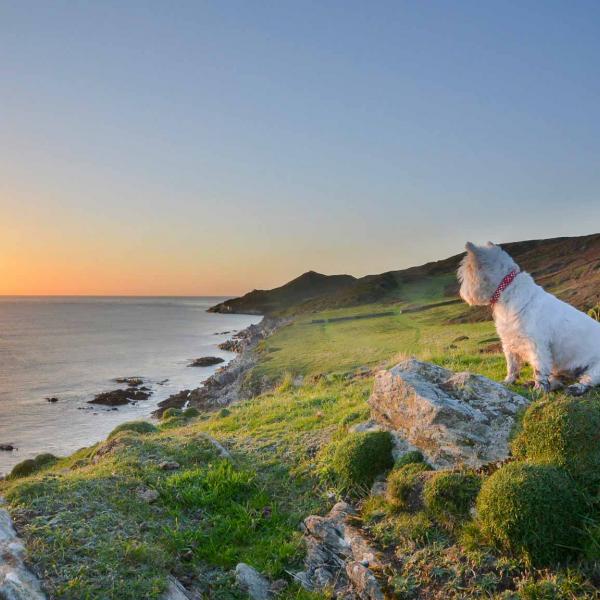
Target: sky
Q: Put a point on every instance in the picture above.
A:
(209, 148)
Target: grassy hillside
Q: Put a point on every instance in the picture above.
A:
(568, 267)
(91, 534)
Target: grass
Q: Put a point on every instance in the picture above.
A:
(91, 536)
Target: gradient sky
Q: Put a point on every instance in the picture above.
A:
(215, 147)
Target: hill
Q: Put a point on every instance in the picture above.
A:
(567, 266)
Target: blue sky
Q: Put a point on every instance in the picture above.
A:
(214, 147)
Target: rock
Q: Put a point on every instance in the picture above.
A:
(252, 582)
(363, 581)
(7, 447)
(175, 591)
(16, 581)
(119, 397)
(130, 381)
(52, 399)
(206, 361)
(339, 557)
(168, 465)
(147, 495)
(453, 418)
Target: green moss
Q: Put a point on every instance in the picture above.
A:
(224, 412)
(532, 511)
(191, 412)
(32, 465)
(414, 456)
(141, 427)
(449, 496)
(172, 422)
(354, 462)
(563, 432)
(403, 483)
(171, 412)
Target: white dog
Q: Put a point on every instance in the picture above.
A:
(556, 339)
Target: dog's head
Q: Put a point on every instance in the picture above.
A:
(481, 271)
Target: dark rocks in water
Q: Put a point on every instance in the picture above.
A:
(119, 397)
(206, 361)
(7, 447)
(177, 400)
(231, 346)
(130, 381)
(52, 399)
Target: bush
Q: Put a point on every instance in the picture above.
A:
(563, 432)
(32, 465)
(449, 496)
(532, 511)
(224, 412)
(171, 422)
(354, 462)
(404, 484)
(191, 412)
(414, 456)
(141, 427)
(171, 412)
(594, 312)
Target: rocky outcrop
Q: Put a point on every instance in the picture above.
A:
(453, 418)
(224, 387)
(16, 581)
(120, 397)
(206, 361)
(339, 557)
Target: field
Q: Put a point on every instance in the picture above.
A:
(91, 534)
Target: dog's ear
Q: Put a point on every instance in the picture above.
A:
(471, 248)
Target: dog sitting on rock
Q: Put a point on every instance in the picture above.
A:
(557, 340)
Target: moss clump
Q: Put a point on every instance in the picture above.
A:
(414, 456)
(404, 485)
(171, 412)
(449, 496)
(354, 462)
(171, 422)
(224, 412)
(191, 412)
(563, 432)
(141, 427)
(32, 465)
(533, 511)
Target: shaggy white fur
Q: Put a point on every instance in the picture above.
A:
(555, 338)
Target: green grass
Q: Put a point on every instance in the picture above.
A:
(91, 536)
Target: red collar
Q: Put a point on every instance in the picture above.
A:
(503, 285)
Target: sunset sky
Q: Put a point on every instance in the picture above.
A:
(215, 147)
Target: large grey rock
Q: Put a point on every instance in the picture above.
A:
(16, 581)
(252, 582)
(453, 418)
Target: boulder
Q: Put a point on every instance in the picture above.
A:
(252, 582)
(120, 397)
(206, 361)
(16, 581)
(453, 418)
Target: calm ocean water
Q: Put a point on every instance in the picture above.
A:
(74, 347)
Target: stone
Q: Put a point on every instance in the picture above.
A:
(7, 447)
(120, 397)
(147, 495)
(363, 581)
(17, 582)
(339, 557)
(206, 361)
(252, 582)
(52, 399)
(168, 465)
(175, 591)
(452, 418)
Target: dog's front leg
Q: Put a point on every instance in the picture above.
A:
(513, 367)
(542, 368)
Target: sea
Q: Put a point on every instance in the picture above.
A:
(72, 348)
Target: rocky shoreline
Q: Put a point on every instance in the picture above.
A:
(225, 386)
